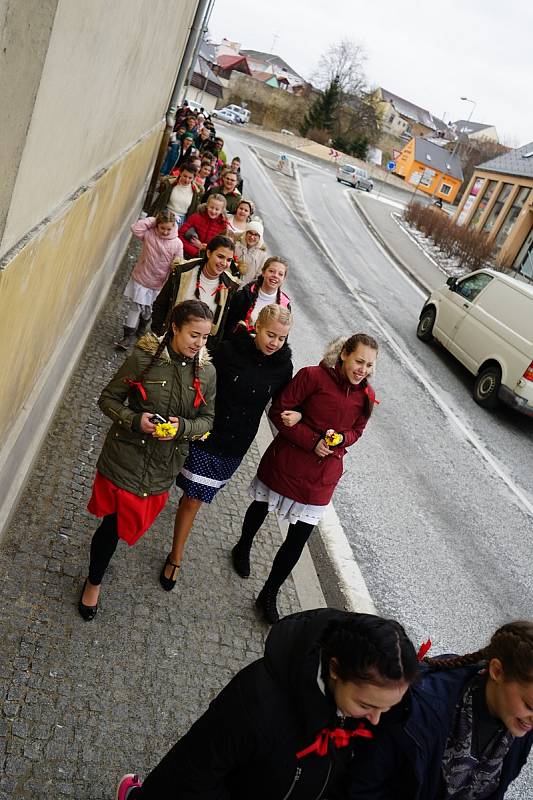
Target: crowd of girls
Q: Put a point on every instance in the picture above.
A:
(340, 705)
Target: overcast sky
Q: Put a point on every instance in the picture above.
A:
(431, 53)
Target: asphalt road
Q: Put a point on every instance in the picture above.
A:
(436, 498)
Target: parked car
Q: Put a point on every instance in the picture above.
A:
(226, 115)
(486, 321)
(194, 106)
(243, 114)
(348, 173)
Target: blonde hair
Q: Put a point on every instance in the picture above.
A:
(219, 197)
(274, 313)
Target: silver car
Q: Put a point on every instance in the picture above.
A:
(226, 115)
(355, 176)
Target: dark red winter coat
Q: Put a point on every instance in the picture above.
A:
(205, 227)
(327, 400)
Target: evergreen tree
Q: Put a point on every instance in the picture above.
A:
(323, 112)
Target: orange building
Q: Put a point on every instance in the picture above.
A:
(430, 168)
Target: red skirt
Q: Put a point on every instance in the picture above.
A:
(134, 514)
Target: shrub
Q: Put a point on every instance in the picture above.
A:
(471, 247)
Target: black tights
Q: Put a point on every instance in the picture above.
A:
(289, 552)
(103, 545)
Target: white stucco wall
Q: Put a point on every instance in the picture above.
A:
(94, 99)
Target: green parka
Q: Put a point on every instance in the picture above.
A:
(134, 460)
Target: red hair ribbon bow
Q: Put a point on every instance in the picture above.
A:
(137, 385)
(339, 736)
(376, 401)
(198, 397)
(423, 649)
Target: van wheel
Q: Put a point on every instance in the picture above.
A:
(338, 180)
(424, 329)
(486, 387)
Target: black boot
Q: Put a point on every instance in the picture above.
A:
(266, 603)
(127, 340)
(144, 325)
(240, 557)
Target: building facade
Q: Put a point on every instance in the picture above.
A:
(84, 88)
(430, 168)
(499, 202)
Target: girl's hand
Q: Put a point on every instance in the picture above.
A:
(322, 450)
(174, 421)
(146, 425)
(196, 243)
(290, 418)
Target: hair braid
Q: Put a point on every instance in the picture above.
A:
(160, 347)
(467, 660)
(512, 645)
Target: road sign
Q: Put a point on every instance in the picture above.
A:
(391, 165)
(396, 154)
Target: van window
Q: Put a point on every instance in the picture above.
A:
(472, 286)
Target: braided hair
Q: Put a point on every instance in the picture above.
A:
(368, 649)
(214, 244)
(512, 645)
(256, 286)
(181, 314)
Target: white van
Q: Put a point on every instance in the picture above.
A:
(486, 321)
(241, 113)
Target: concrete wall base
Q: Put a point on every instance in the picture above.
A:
(23, 443)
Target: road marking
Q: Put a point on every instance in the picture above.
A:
(407, 360)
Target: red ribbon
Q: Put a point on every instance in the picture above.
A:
(137, 385)
(198, 397)
(376, 401)
(339, 736)
(424, 647)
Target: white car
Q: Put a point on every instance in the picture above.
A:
(485, 320)
(226, 115)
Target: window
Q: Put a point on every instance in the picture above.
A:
(391, 118)
(499, 203)
(469, 288)
(514, 211)
(487, 194)
(445, 188)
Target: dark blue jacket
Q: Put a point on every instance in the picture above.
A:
(405, 762)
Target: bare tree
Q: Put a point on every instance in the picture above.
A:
(343, 62)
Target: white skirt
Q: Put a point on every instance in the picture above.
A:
(285, 507)
(140, 294)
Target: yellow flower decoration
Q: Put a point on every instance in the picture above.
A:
(332, 438)
(164, 429)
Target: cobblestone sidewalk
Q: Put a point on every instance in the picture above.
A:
(85, 702)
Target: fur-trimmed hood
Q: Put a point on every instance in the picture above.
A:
(333, 351)
(150, 342)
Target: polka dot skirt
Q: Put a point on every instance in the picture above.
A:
(204, 473)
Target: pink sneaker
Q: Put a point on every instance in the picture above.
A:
(126, 784)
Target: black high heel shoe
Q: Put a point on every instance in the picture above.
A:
(87, 613)
(169, 583)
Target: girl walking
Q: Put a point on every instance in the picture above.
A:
(250, 251)
(161, 245)
(250, 370)
(205, 278)
(300, 470)
(293, 724)
(246, 304)
(140, 457)
(237, 222)
(209, 221)
(464, 731)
